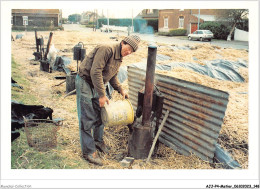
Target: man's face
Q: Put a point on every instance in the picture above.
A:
(126, 49)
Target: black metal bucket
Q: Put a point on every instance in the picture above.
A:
(70, 82)
(40, 41)
(82, 54)
(44, 66)
(79, 52)
(37, 55)
(140, 141)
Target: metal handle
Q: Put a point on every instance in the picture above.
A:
(81, 43)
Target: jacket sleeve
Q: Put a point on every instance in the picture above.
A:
(114, 82)
(101, 57)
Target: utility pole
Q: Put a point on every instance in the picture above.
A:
(96, 19)
(132, 21)
(199, 20)
(107, 22)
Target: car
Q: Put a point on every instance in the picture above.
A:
(201, 35)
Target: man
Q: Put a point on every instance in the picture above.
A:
(96, 70)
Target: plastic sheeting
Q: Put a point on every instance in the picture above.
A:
(162, 57)
(222, 156)
(122, 76)
(61, 64)
(14, 84)
(180, 48)
(240, 35)
(52, 55)
(219, 69)
(19, 36)
(142, 65)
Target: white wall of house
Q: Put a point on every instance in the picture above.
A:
(240, 35)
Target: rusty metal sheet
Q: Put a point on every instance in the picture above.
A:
(196, 113)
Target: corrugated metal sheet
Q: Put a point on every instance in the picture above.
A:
(196, 113)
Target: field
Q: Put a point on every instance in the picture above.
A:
(39, 89)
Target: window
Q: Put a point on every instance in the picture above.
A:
(208, 32)
(181, 22)
(12, 20)
(25, 20)
(149, 11)
(165, 22)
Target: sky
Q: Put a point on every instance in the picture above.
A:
(112, 13)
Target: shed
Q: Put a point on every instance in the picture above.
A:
(36, 17)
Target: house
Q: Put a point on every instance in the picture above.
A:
(148, 14)
(184, 18)
(151, 23)
(36, 17)
(87, 17)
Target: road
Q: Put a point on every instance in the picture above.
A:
(180, 41)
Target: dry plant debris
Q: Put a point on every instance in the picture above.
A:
(233, 135)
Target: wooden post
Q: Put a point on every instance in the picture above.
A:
(48, 46)
(37, 47)
(157, 135)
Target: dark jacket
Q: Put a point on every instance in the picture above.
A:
(100, 66)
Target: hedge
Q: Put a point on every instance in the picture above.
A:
(220, 30)
(89, 25)
(174, 32)
(33, 28)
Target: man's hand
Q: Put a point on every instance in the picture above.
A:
(103, 100)
(123, 93)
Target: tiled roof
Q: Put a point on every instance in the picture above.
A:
(37, 11)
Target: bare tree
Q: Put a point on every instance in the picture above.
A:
(233, 16)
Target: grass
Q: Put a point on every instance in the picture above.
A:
(17, 94)
(22, 155)
(25, 157)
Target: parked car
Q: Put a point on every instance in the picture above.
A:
(201, 35)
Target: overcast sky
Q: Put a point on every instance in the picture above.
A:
(112, 13)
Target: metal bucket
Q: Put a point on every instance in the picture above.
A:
(70, 82)
(39, 41)
(44, 65)
(140, 141)
(82, 54)
(117, 113)
(79, 51)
